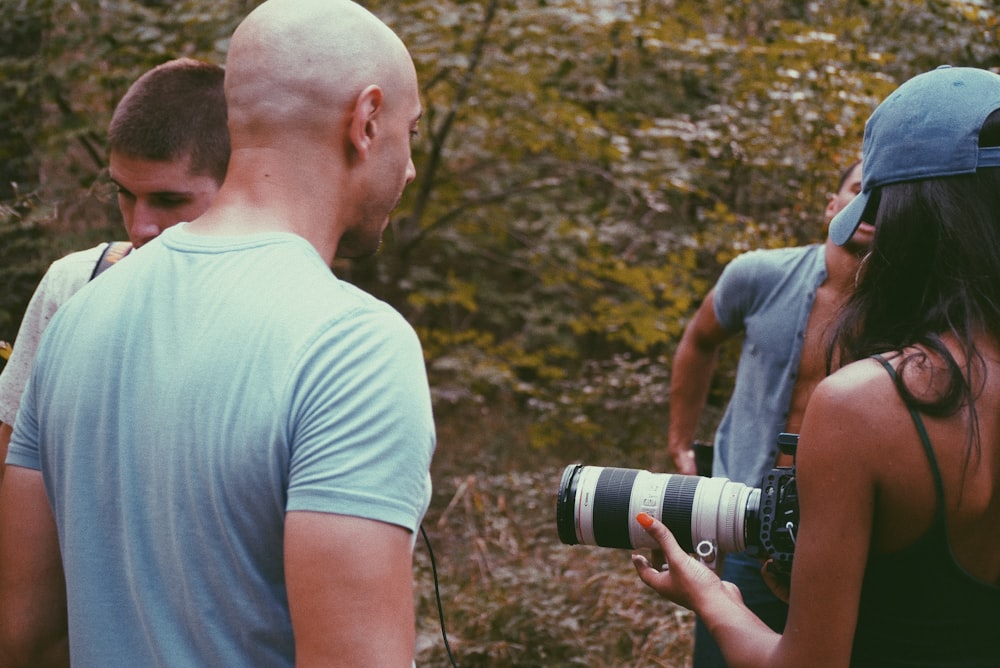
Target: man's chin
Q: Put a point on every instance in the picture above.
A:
(359, 252)
(360, 243)
(862, 238)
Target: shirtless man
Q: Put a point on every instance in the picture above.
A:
(783, 301)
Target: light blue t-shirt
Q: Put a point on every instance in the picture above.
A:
(180, 405)
(768, 295)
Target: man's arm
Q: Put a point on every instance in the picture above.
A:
(690, 379)
(5, 432)
(33, 626)
(350, 591)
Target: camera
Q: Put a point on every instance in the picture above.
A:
(597, 505)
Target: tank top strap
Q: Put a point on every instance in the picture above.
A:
(924, 438)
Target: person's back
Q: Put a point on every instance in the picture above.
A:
(931, 593)
(220, 425)
(931, 408)
(931, 589)
(262, 431)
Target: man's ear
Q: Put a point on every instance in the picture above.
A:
(830, 203)
(365, 119)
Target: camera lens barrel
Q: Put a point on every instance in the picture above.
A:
(613, 497)
(598, 505)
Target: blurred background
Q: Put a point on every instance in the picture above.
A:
(585, 169)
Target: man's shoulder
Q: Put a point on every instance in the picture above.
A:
(303, 290)
(354, 305)
(752, 278)
(78, 262)
(68, 274)
(777, 257)
(774, 263)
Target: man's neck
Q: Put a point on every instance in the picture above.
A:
(266, 191)
(841, 267)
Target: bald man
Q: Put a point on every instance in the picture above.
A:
(230, 469)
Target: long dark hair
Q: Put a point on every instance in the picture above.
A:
(933, 271)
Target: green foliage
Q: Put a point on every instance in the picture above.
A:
(20, 99)
(19, 258)
(586, 167)
(590, 167)
(63, 67)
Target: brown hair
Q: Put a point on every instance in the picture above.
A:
(174, 109)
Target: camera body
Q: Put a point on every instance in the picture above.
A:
(598, 506)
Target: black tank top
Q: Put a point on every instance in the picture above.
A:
(919, 607)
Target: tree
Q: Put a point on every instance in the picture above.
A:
(586, 169)
(590, 166)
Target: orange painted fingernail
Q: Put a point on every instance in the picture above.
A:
(644, 520)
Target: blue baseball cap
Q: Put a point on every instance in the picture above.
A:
(928, 128)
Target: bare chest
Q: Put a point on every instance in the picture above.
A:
(812, 363)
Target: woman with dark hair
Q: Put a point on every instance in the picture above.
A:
(897, 560)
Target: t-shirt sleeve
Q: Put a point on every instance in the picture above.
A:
(23, 449)
(363, 431)
(736, 289)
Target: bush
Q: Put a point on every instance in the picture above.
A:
(512, 594)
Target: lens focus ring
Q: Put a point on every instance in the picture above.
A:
(678, 497)
(611, 507)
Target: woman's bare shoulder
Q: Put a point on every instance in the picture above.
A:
(857, 387)
(855, 412)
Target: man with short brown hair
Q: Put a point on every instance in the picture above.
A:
(169, 147)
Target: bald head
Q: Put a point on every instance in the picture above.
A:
(294, 64)
(323, 104)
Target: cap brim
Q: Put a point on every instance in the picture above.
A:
(846, 222)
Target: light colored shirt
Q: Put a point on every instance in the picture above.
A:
(61, 281)
(180, 406)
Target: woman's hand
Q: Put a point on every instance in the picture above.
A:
(682, 578)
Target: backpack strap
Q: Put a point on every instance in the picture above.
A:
(114, 251)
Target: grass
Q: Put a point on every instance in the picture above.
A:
(512, 594)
